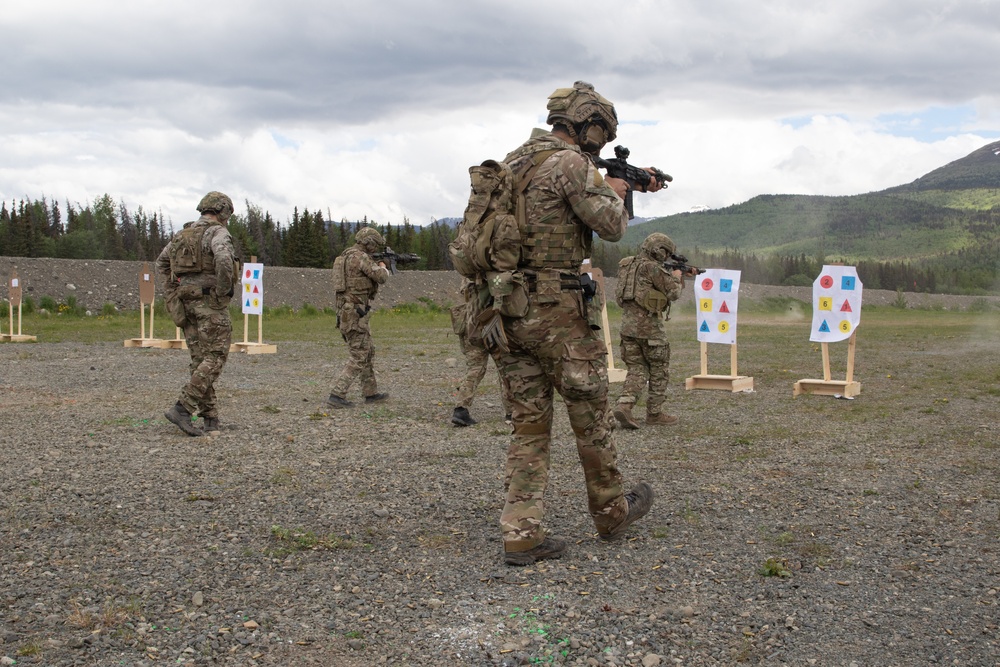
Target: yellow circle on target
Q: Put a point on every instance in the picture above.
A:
(723, 327)
(845, 326)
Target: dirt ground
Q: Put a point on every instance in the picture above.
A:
(786, 531)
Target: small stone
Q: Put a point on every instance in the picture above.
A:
(198, 599)
(651, 660)
(251, 625)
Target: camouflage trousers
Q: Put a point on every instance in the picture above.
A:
(648, 362)
(360, 365)
(477, 358)
(208, 333)
(553, 349)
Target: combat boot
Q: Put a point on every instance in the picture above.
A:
(337, 402)
(639, 500)
(551, 547)
(180, 416)
(376, 398)
(212, 425)
(660, 419)
(623, 413)
(460, 417)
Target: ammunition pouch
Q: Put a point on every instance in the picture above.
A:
(509, 292)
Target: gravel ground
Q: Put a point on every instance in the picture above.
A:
(370, 536)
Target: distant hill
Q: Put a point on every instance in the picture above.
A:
(953, 208)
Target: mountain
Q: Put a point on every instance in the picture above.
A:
(953, 208)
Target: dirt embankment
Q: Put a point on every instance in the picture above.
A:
(96, 282)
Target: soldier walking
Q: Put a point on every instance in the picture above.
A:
(552, 347)
(198, 272)
(356, 280)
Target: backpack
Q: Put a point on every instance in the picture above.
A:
(488, 238)
(185, 250)
(339, 279)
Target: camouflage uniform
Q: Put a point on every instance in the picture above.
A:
(553, 348)
(204, 299)
(363, 276)
(644, 346)
(477, 358)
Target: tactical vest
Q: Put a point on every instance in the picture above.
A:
(641, 291)
(349, 283)
(559, 243)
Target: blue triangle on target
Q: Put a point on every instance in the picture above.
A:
(704, 327)
(247, 303)
(824, 328)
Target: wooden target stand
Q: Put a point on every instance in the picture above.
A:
(614, 374)
(259, 347)
(147, 294)
(14, 294)
(848, 388)
(732, 382)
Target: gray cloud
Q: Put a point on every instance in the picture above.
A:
(188, 92)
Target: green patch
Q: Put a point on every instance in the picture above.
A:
(774, 567)
(292, 540)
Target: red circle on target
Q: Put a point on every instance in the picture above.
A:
(707, 284)
(826, 282)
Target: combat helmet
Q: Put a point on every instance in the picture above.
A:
(578, 109)
(217, 203)
(368, 237)
(658, 247)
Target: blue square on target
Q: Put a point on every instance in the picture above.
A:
(847, 283)
(256, 274)
(725, 285)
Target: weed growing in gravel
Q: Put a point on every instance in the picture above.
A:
(774, 567)
(29, 649)
(292, 540)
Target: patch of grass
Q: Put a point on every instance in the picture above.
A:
(29, 649)
(774, 567)
(463, 454)
(283, 477)
(292, 540)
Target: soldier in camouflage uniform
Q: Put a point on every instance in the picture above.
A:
(645, 291)
(477, 358)
(198, 302)
(360, 276)
(553, 347)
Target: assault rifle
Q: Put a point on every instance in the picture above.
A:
(634, 176)
(391, 258)
(679, 263)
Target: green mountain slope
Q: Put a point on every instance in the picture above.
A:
(956, 207)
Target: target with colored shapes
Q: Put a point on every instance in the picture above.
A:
(717, 296)
(836, 289)
(253, 285)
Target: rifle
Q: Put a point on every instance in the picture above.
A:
(394, 258)
(634, 176)
(679, 263)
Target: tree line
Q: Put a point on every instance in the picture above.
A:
(107, 229)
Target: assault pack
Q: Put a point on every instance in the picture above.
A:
(487, 247)
(185, 250)
(488, 238)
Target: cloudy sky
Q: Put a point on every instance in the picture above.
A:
(378, 108)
